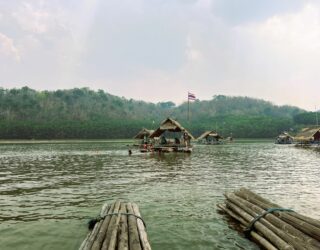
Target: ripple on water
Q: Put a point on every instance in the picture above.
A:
(48, 191)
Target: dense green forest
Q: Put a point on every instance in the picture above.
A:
(84, 113)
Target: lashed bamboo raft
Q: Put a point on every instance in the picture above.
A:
(120, 228)
(275, 230)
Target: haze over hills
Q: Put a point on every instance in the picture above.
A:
(84, 113)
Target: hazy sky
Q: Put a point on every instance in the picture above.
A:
(158, 50)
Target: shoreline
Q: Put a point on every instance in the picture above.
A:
(62, 141)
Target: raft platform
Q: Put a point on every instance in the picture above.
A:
(118, 227)
(170, 148)
(270, 225)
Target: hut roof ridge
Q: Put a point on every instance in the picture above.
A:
(169, 124)
(142, 133)
(208, 132)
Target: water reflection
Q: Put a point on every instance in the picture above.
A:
(48, 190)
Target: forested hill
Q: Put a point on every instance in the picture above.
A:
(84, 113)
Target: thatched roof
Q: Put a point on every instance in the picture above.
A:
(307, 134)
(210, 133)
(142, 133)
(285, 135)
(170, 125)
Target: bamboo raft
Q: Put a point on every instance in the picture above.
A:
(269, 225)
(119, 227)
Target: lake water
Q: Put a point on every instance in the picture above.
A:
(49, 191)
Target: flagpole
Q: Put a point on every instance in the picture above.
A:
(188, 107)
(316, 115)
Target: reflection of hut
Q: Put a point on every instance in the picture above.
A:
(144, 141)
(210, 138)
(308, 136)
(173, 137)
(284, 138)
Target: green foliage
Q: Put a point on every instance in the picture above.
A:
(308, 118)
(84, 113)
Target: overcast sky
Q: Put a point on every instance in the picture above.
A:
(158, 50)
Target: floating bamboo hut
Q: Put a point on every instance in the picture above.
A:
(118, 227)
(284, 138)
(308, 136)
(172, 137)
(270, 225)
(210, 138)
(144, 142)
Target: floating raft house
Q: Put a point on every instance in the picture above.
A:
(210, 137)
(284, 138)
(144, 142)
(118, 227)
(308, 136)
(144, 133)
(170, 125)
(269, 225)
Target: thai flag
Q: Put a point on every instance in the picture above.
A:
(191, 96)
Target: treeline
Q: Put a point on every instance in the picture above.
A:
(60, 129)
(84, 113)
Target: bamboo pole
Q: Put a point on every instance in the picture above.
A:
(101, 234)
(87, 243)
(141, 229)
(118, 229)
(111, 233)
(309, 220)
(297, 234)
(123, 233)
(266, 232)
(259, 239)
(303, 226)
(293, 241)
(134, 240)
(285, 237)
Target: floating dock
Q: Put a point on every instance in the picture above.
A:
(118, 227)
(269, 225)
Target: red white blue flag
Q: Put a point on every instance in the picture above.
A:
(191, 96)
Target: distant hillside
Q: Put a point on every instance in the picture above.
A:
(84, 113)
(227, 105)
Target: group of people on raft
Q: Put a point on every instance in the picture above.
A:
(148, 145)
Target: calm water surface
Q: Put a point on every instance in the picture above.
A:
(48, 191)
